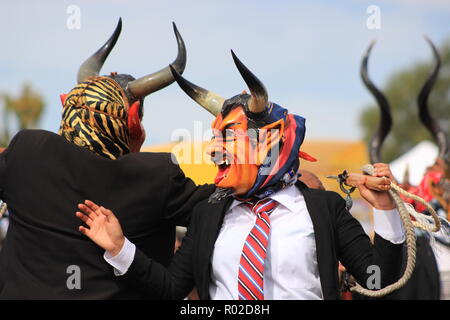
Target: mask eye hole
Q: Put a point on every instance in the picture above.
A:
(229, 135)
(253, 134)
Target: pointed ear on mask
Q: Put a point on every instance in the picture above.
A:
(63, 97)
(134, 123)
(136, 131)
(269, 137)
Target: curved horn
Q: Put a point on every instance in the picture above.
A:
(429, 122)
(162, 78)
(91, 67)
(259, 99)
(209, 100)
(385, 120)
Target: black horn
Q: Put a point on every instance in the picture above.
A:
(259, 99)
(385, 123)
(439, 135)
(153, 82)
(91, 67)
(209, 100)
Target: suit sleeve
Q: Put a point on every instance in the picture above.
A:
(155, 280)
(356, 252)
(183, 195)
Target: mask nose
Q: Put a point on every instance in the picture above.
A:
(216, 151)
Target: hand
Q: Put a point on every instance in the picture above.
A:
(104, 228)
(383, 170)
(378, 199)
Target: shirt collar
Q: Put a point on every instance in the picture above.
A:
(288, 197)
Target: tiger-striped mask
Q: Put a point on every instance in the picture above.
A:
(103, 113)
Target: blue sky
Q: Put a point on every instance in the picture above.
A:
(306, 52)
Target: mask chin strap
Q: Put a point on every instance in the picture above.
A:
(219, 194)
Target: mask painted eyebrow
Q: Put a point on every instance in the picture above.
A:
(231, 125)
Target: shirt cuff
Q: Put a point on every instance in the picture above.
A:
(123, 260)
(388, 225)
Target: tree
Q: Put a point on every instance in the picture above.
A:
(401, 90)
(27, 108)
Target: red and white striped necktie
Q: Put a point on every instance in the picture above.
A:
(251, 267)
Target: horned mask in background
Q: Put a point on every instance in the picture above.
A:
(436, 181)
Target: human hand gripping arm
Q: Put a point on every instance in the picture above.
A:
(356, 251)
(387, 222)
(376, 194)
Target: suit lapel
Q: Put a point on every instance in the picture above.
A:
(324, 242)
(215, 214)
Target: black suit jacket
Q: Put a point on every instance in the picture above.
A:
(43, 178)
(339, 237)
(424, 283)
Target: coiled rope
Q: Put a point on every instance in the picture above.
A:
(405, 211)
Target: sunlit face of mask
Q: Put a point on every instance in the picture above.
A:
(232, 151)
(238, 151)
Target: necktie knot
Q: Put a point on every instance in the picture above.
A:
(266, 205)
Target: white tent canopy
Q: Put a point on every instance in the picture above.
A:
(417, 160)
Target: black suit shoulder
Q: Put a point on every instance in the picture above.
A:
(38, 139)
(327, 204)
(26, 134)
(31, 137)
(34, 137)
(204, 210)
(331, 197)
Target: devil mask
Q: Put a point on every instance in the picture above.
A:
(103, 114)
(256, 143)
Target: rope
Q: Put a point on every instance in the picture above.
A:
(405, 216)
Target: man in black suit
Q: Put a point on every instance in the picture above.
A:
(44, 175)
(262, 234)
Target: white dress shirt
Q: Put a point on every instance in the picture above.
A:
(290, 270)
